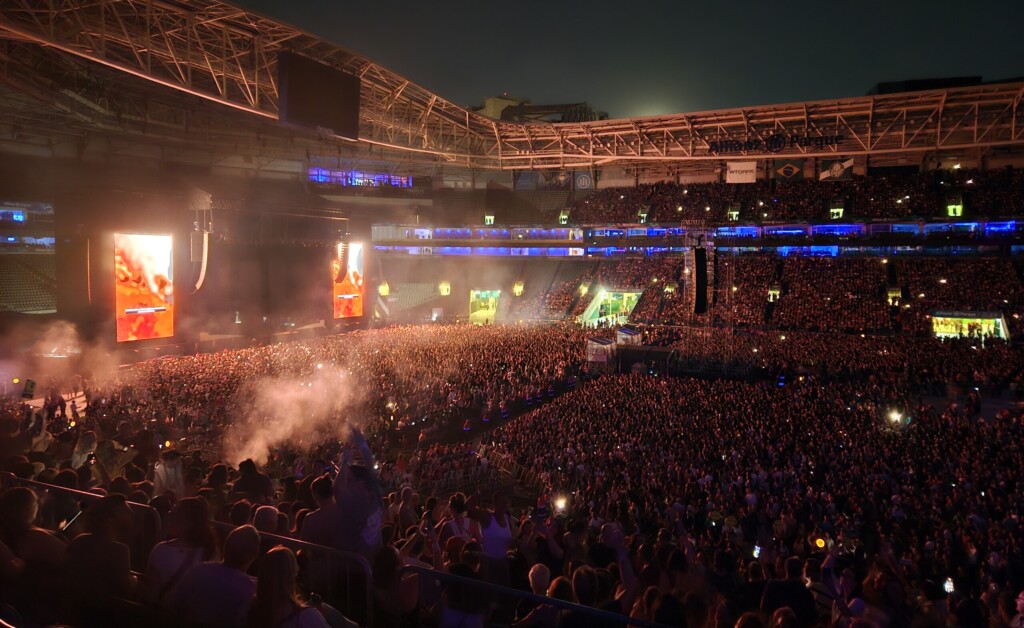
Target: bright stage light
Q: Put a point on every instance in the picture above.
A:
(895, 416)
(560, 503)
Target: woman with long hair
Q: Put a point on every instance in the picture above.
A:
(277, 603)
(191, 542)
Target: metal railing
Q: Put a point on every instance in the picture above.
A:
(432, 583)
(60, 507)
(520, 475)
(342, 579)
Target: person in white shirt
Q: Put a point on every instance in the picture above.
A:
(168, 475)
(220, 594)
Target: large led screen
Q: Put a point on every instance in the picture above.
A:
(144, 288)
(967, 326)
(347, 277)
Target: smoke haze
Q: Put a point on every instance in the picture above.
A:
(299, 410)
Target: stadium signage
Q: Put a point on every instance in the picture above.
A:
(776, 143)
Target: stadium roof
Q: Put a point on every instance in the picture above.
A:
(196, 82)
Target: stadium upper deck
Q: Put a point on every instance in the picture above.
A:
(131, 72)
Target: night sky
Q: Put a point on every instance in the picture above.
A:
(646, 57)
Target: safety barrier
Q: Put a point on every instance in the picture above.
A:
(432, 584)
(60, 507)
(342, 579)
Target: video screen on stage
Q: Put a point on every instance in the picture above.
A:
(347, 277)
(483, 306)
(143, 286)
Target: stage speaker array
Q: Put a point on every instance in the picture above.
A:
(700, 258)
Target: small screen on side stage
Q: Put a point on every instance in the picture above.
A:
(317, 96)
(347, 280)
(143, 286)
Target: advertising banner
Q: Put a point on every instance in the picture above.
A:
(741, 172)
(836, 170)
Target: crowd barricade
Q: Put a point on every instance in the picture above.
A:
(521, 476)
(60, 509)
(342, 579)
(432, 584)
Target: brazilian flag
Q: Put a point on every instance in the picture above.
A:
(789, 169)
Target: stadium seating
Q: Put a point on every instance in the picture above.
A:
(27, 282)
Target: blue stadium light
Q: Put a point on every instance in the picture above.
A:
(839, 230)
(809, 251)
(1001, 227)
(825, 251)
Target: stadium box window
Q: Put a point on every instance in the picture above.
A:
(355, 178)
(384, 289)
(734, 215)
(642, 215)
(955, 210)
(835, 213)
(774, 293)
(563, 217)
(517, 289)
(488, 219)
(445, 288)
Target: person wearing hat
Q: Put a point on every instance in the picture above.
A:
(168, 475)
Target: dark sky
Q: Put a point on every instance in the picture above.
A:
(646, 57)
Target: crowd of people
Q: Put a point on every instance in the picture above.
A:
(176, 428)
(747, 497)
(967, 285)
(875, 196)
(828, 485)
(833, 294)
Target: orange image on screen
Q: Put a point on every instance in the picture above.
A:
(143, 287)
(348, 287)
